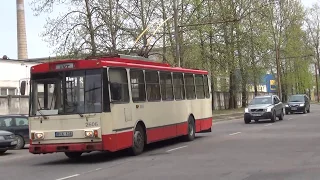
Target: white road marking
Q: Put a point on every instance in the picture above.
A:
(93, 170)
(290, 119)
(68, 177)
(176, 148)
(234, 133)
(268, 125)
(304, 115)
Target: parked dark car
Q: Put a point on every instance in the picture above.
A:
(298, 103)
(264, 107)
(17, 124)
(7, 141)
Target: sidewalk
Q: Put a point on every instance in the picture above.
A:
(223, 115)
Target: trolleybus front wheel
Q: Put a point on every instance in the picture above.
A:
(138, 141)
(73, 155)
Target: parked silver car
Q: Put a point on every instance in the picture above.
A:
(264, 107)
(7, 141)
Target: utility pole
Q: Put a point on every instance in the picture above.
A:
(176, 30)
(317, 82)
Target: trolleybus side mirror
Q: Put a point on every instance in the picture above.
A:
(23, 88)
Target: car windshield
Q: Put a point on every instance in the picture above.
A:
(261, 100)
(296, 98)
(72, 92)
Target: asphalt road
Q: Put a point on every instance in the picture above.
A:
(285, 150)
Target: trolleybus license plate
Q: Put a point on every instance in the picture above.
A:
(64, 134)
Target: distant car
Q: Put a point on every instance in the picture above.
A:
(7, 141)
(17, 124)
(298, 103)
(264, 107)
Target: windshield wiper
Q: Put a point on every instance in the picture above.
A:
(44, 117)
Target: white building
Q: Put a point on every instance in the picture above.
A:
(12, 73)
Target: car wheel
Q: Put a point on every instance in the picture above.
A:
(281, 115)
(20, 142)
(2, 152)
(247, 120)
(273, 118)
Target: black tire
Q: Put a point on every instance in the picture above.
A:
(274, 117)
(191, 130)
(2, 152)
(20, 142)
(138, 141)
(247, 120)
(281, 115)
(73, 155)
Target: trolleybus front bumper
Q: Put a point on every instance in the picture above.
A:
(74, 147)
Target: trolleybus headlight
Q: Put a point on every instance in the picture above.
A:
(92, 133)
(37, 135)
(88, 133)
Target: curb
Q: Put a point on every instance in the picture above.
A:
(227, 118)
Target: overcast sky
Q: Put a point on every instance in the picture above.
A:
(36, 46)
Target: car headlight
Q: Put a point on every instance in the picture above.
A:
(246, 110)
(91, 133)
(37, 135)
(301, 105)
(286, 105)
(269, 109)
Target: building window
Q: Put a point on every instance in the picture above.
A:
(4, 92)
(12, 91)
(8, 91)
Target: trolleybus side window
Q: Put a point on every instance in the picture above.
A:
(166, 86)
(118, 85)
(138, 91)
(153, 86)
(199, 86)
(190, 88)
(206, 86)
(178, 83)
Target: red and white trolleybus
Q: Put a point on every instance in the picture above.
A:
(113, 103)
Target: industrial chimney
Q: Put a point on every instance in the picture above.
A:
(21, 31)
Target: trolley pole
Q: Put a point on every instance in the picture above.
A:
(176, 31)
